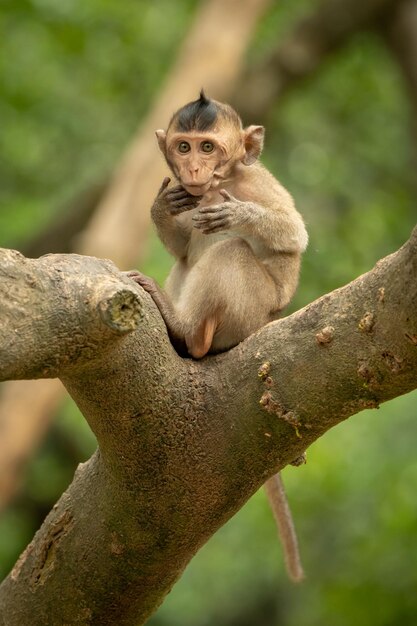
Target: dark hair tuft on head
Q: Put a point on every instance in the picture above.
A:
(199, 115)
(203, 98)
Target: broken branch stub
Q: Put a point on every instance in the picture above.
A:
(59, 311)
(120, 310)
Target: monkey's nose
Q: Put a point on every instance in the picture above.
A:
(193, 164)
(194, 172)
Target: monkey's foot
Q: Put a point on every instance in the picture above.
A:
(144, 281)
(156, 293)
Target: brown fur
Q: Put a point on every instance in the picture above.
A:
(238, 241)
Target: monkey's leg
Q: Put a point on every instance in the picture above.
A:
(199, 341)
(166, 308)
(195, 341)
(279, 504)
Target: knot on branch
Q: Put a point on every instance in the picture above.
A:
(367, 323)
(325, 335)
(300, 460)
(46, 551)
(368, 374)
(274, 407)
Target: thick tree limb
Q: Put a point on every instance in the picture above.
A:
(183, 444)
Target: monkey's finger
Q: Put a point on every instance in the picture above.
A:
(212, 225)
(141, 279)
(201, 217)
(211, 220)
(226, 195)
(178, 191)
(180, 197)
(207, 212)
(185, 202)
(180, 200)
(217, 229)
(181, 189)
(216, 208)
(164, 185)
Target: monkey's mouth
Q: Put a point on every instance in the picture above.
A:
(197, 189)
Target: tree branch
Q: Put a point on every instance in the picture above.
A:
(182, 444)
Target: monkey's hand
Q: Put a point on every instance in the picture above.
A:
(224, 216)
(173, 201)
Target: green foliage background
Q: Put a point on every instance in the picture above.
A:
(75, 78)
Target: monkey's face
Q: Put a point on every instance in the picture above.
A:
(201, 160)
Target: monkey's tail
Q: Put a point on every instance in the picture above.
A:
(275, 491)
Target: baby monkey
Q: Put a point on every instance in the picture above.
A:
(237, 239)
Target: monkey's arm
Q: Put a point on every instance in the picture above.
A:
(168, 204)
(280, 229)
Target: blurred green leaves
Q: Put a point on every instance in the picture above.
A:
(75, 79)
(341, 144)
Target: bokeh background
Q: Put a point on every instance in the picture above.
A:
(333, 84)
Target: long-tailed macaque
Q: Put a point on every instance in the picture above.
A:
(237, 239)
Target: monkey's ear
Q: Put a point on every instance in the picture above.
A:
(162, 141)
(253, 137)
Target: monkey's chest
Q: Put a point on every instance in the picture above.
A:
(199, 244)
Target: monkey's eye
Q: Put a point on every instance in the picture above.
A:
(183, 147)
(207, 147)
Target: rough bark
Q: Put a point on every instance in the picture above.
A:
(182, 444)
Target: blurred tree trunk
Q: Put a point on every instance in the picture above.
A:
(212, 53)
(182, 443)
(400, 30)
(61, 234)
(310, 44)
